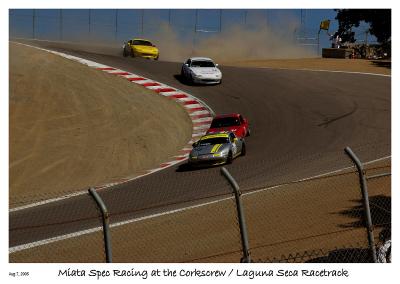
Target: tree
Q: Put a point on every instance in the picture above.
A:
(379, 21)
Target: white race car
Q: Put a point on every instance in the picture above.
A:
(201, 70)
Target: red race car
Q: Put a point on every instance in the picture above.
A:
(234, 122)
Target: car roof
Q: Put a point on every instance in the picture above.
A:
(215, 135)
(141, 39)
(201, 58)
(227, 115)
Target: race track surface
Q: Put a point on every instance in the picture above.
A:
(300, 121)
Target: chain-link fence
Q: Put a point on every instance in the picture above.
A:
(379, 184)
(319, 219)
(46, 236)
(119, 24)
(190, 27)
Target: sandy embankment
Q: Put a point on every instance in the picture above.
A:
(72, 127)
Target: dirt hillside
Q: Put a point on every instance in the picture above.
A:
(72, 127)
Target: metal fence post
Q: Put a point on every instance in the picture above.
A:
(106, 229)
(364, 191)
(89, 23)
(61, 24)
(33, 23)
(240, 212)
(116, 25)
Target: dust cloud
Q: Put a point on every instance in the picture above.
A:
(234, 44)
(258, 41)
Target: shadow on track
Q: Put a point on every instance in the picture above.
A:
(383, 63)
(181, 79)
(187, 168)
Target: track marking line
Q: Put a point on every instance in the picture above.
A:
(324, 70)
(206, 115)
(121, 73)
(150, 84)
(136, 79)
(203, 119)
(177, 96)
(105, 68)
(96, 229)
(320, 175)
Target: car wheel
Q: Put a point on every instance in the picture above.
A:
(243, 153)
(230, 158)
(190, 80)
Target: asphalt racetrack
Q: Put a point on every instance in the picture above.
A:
(300, 121)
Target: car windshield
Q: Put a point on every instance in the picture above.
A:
(204, 63)
(141, 42)
(213, 141)
(225, 122)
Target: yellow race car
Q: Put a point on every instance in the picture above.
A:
(140, 48)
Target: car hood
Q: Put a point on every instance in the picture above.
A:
(205, 70)
(222, 129)
(209, 149)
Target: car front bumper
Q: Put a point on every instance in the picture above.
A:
(206, 80)
(147, 55)
(207, 160)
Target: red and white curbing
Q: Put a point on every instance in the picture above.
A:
(199, 112)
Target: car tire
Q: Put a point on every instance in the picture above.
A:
(243, 152)
(230, 158)
(190, 80)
